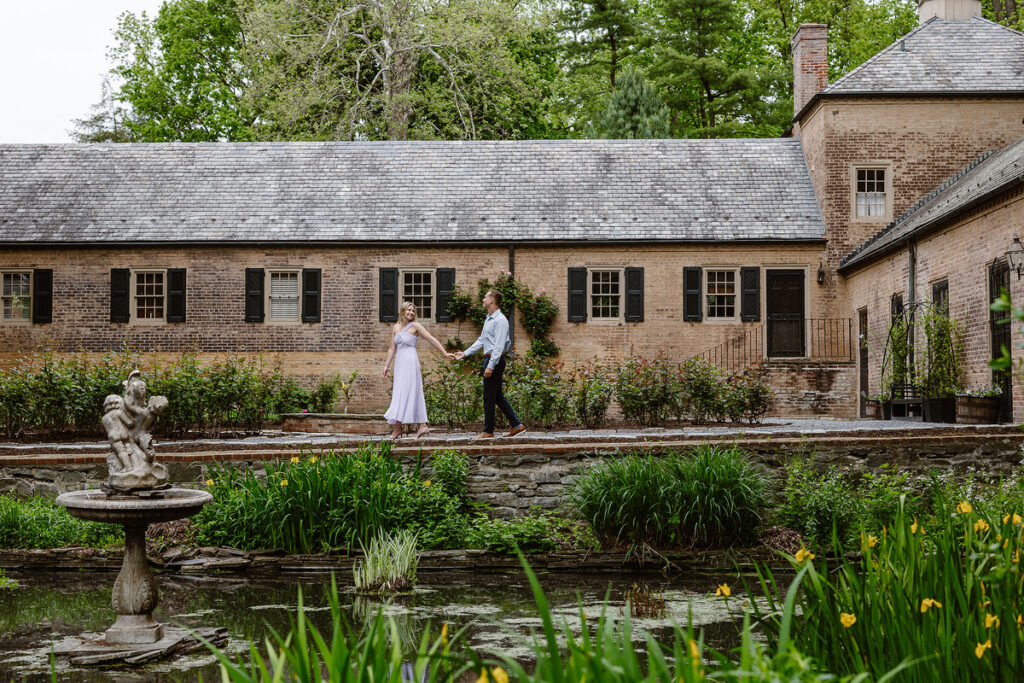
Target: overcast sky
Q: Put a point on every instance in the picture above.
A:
(53, 54)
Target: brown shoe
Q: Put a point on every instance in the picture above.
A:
(484, 435)
(515, 430)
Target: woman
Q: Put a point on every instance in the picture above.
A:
(407, 404)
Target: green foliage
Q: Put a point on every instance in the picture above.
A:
(533, 533)
(41, 523)
(324, 502)
(326, 393)
(590, 392)
(634, 110)
(536, 389)
(449, 470)
(7, 583)
(814, 503)
(453, 393)
(945, 597)
(943, 358)
(711, 497)
(748, 396)
(389, 563)
(643, 389)
(703, 391)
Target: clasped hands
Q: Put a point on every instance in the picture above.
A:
(459, 355)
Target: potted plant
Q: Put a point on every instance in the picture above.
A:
(942, 373)
(979, 406)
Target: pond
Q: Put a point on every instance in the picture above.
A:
(497, 609)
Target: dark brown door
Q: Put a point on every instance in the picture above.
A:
(784, 308)
(999, 325)
(862, 336)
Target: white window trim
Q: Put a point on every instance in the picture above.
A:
(705, 280)
(868, 166)
(621, 270)
(433, 291)
(133, 318)
(31, 295)
(267, 318)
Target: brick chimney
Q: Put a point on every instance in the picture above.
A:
(949, 10)
(810, 63)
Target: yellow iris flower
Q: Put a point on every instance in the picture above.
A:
(723, 590)
(979, 651)
(928, 603)
(804, 555)
(964, 508)
(847, 620)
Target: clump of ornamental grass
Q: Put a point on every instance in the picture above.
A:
(389, 564)
(39, 522)
(947, 597)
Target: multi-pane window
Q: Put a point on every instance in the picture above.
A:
(605, 294)
(940, 296)
(149, 295)
(418, 287)
(870, 192)
(284, 296)
(17, 297)
(721, 293)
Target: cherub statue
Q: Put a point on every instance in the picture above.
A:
(132, 465)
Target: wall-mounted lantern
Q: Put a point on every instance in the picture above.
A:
(1015, 256)
(821, 272)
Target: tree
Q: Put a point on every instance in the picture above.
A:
(709, 83)
(181, 75)
(105, 123)
(635, 110)
(602, 35)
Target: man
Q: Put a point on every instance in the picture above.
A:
(495, 342)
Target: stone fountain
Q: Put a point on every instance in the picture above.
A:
(135, 495)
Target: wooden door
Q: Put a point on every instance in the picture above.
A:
(784, 313)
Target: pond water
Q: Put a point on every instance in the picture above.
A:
(497, 609)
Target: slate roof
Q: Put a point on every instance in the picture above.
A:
(943, 56)
(411, 191)
(985, 177)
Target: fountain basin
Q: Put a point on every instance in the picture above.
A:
(96, 506)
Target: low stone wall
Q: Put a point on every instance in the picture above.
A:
(513, 476)
(333, 423)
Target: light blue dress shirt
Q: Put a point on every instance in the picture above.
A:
(493, 338)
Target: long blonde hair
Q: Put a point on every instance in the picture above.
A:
(405, 306)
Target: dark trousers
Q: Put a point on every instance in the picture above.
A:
(494, 394)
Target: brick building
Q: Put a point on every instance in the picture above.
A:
(732, 248)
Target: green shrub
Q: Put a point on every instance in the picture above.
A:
(590, 393)
(703, 389)
(449, 470)
(41, 523)
(326, 501)
(537, 532)
(535, 388)
(711, 497)
(453, 392)
(643, 389)
(813, 502)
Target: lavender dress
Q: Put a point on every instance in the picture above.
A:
(407, 404)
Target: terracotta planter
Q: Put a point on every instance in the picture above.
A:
(977, 410)
(939, 410)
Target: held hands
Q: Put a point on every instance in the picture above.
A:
(458, 355)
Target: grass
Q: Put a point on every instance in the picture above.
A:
(712, 497)
(389, 564)
(39, 522)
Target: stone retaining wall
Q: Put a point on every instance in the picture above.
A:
(513, 477)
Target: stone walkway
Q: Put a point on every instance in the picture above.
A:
(771, 428)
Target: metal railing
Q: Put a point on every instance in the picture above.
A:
(821, 339)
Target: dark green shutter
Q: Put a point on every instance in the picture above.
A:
(388, 279)
(175, 295)
(634, 295)
(691, 294)
(120, 295)
(445, 288)
(310, 295)
(42, 295)
(254, 295)
(750, 292)
(577, 295)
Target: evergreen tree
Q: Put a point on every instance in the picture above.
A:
(635, 110)
(603, 35)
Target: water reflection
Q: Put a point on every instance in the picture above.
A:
(496, 609)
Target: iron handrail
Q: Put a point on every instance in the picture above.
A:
(826, 339)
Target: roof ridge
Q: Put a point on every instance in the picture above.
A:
(877, 55)
(996, 23)
(922, 202)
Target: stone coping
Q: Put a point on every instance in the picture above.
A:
(211, 560)
(336, 416)
(551, 444)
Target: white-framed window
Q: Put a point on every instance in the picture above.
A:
(418, 287)
(283, 304)
(604, 289)
(872, 191)
(149, 296)
(16, 295)
(720, 293)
